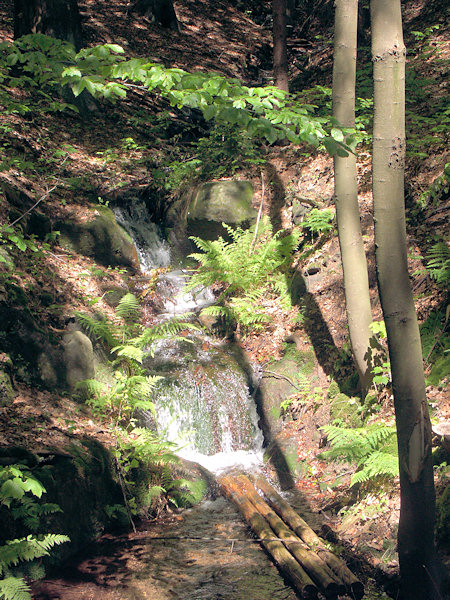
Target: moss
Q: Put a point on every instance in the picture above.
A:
(333, 390)
(346, 409)
(304, 359)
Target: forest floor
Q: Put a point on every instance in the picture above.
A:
(231, 38)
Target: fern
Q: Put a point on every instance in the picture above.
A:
(372, 448)
(128, 308)
(16, 486)
(99, 329)
(376, 465)
(251, 268)
(438, 263)
(14, 588)
(319, 221)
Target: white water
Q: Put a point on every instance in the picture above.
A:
(203, 404)
(153, 250)
(178, 301)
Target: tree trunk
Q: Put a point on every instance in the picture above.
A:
(354, 587)
(280, 62)
(161, 11)
(57, 18)
(416, 550)
(285, 561)
(354, 265)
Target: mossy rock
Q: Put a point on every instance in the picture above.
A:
(7, 393)
(101, 239)
(220, 202)
(81, 481)
(346, 409)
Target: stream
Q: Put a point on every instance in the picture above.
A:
(204, 405)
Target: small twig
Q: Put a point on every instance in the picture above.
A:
(280, 376)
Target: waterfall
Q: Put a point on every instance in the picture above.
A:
(153, 250)
(203, 403)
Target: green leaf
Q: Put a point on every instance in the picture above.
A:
(12, 488)
(337, 134)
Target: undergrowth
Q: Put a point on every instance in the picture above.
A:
(127, 392)
(19, 557)
(251, 269)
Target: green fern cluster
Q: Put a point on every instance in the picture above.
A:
(372, 448)
(438, 263)
(251, 268)
(319, 221)
(18, 487)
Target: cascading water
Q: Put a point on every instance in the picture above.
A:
(203, 402)
(153, 250)
(204, 405)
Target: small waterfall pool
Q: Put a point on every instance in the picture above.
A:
(203, 403)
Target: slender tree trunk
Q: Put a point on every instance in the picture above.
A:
(416, 551)
(356, 281)
(57, 18)
(280, 62)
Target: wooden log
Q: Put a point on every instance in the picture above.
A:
(354, 587)
(285, 561)
(316, 568)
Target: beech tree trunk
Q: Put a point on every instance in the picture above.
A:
(418, 569)
(280, 62)
(57, 18)
(354, 265)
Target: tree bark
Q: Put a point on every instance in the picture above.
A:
(280, 61)
(354, 265)
(162, 11)
(56, 18)
(417, 558)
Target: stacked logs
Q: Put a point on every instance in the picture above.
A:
(299, 553)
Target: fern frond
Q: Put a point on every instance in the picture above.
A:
(216, 310)
(92, 387)
(130, 352)
(377, 464)
(373, 448)
(128, 308)
(99, 329)
(438, 262)
(14, 588)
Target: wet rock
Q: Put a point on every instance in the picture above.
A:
(101, 239)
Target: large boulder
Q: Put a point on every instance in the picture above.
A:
(101, 239)
(220, 202)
